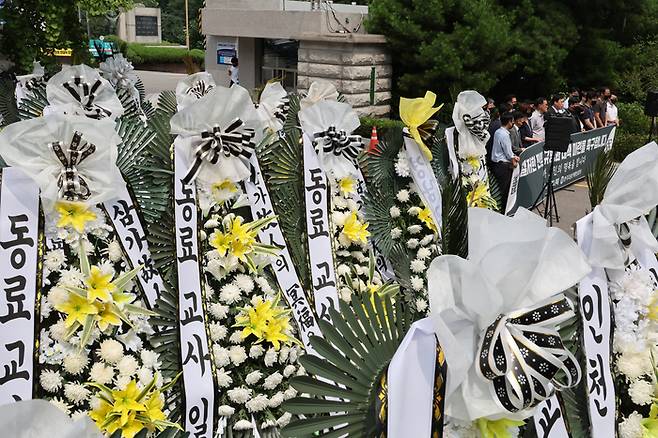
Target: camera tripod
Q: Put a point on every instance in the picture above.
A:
(550, 204)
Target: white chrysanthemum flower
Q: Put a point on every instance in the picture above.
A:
(418, 266)
(294, 354)
(403, 195)
(50, 380)
(427, 240)
(239, 395)
(54, 259)
(394, 212)
(641, 392)
(402, 165)
(414, 211)
(417, 283)
(114, 251)
(75, 362)
(223, 378)
(237, 354)
(289, 393)
(284, 419)
(57, 296)
(423, 253)
(242, 425)
(339, 202)
(225, 411)
(61, 405)
(276, 400)
(342, 269)
(256, 351)
(221, 355)
(289, 370)
(421, 304)
(396, 233)
(352, 205)
(270, 357)
(100, 373)
(230, 293)
(79, 415)
(58, 330)
(634, 365)
(264, 285)
(122, 382)
(345, 294)
(631, 427)
(257, 403)
(268, 423)
(111, 351)
(217, 331)
(150, 358)
(414, 229)
(244, 282)
(219, 311)
(127, 366)
(236, 337)
(253, 377)
(273, 380)
(76, 393)
(283, 353)
(144, 375)
(412, 243)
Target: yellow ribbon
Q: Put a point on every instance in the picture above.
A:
(416, 112)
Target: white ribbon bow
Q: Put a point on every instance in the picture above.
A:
(330, 125)
(472, 123)
(80, 90)
(318, 92)
(273, 106)
(193, 88)
(515, 265)
(216, 143)
(631, 193)
(69, 157)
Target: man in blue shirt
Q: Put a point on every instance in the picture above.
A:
(503, 159)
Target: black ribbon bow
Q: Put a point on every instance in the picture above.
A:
(72, 186)
(200, 89)
(522, 352)
(85, 93)
(232, 141)
(338, 143)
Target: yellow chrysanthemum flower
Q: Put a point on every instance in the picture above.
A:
(346, 185)
(474, 161)
(425, 216)
(75, 214)
(355, 230)
(497, 428)
(415, 112)
(223, 190)
(77, 309)
(99, 285)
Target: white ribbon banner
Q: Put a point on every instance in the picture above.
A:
(423, 176)
(195, 352)
(597, 325)
(319, 233)
(19, 241)
(124, 217)
(549, 422)
(284, 269)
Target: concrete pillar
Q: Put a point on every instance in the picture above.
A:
(218, 71)
(250, 55)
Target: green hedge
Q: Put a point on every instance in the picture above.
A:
(140, 54)
(626, 142)
(633, 119)
(382, 126)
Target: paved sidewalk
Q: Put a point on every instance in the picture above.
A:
(157, 81)
(572, 204)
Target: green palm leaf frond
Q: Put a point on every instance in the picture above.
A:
(440, 157)
(598, 176)
(355, 351)
(166, 105)
(378, 165)
(377, 205)
(454, 229)
(496, 193)
(32, 106)
(8, 108)
(291, 123)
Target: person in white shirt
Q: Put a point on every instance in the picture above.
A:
(612, 114)
(536, 120)
(503, 159)
(233, 72)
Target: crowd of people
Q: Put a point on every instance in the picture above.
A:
(515, 126)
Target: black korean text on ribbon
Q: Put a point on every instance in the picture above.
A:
(85, 93)
(338, 143)
(281, 110)
(522, 353)
(232, 141)
(200, 89)
(72, 186)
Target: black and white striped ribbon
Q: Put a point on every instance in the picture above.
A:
(231, 141)
(338, 142)
(72, 186)
(523, 356)
(199, 89)
(86, 93)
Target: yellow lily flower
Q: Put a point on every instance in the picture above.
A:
(220, 241)
(75, 214)
(415, 112)
(497, 428)
(653, 308)
(346, 185)
(77, 309)
(355, 230)
(425, 216)
(125, 402)
(256, 319)
(132, 427)
(474, 161)
(476, 198)
(99, 285)
(100, 414)
(275, 332)
(106, 316)
(154, 407)
(266, 321)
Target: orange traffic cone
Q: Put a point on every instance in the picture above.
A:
(374, 141)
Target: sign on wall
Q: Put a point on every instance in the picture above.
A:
(226, 51)
(146, 25)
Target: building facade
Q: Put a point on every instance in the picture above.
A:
(299, 42)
